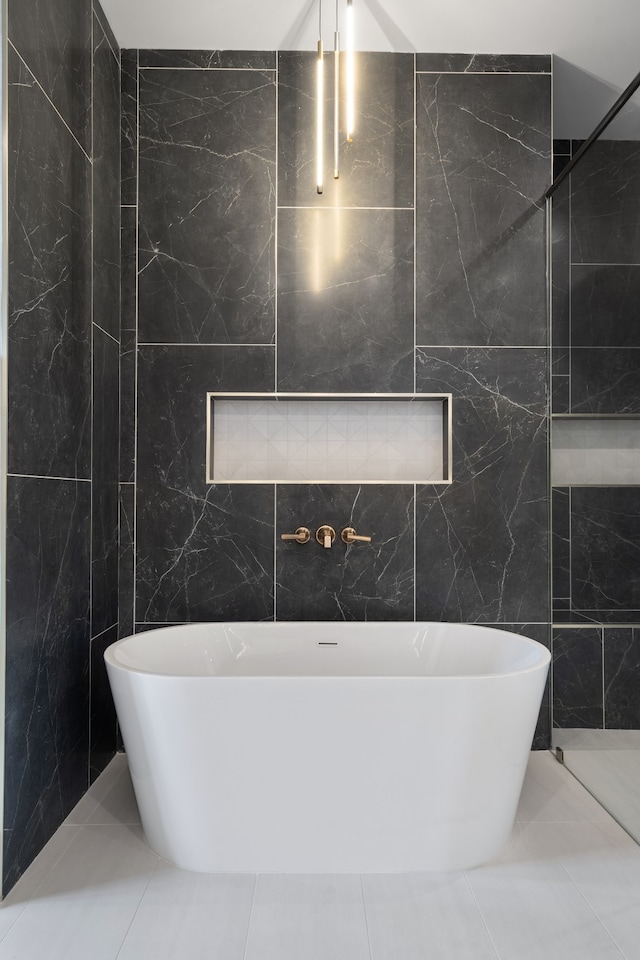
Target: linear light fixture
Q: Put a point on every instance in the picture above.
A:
(351, 73)
(349, 114)
(336, 98)
(320, 106)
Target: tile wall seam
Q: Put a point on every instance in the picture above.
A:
(215, 69)
(40, 476)
(488, 73)
(173, 343)
(134, 519)
(106, 332)
(49, 100)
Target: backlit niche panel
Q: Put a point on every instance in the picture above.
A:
(328, 439)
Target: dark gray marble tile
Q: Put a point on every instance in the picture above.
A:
(605, 380)
(49, 288)
(345, 300)
(560, 268)
(605, 304)
(605, 204)
(103, 737)
(605, 548)
(126, 570)
(47, 658)
(106, 359)
(206, 554)
(128, 342)
(104, 557)
(482, 543)
(129, 126)
(210, 59)
(207, 206)
(560, 361)
(542, 633)
(482, 63)
(106, 28)
(54, 39)
(172, 386)
(561, 543)
(621, 671)
(577, 678)
(106, 185)
(376, 168)
(560, 396)
(105, 525)
(483, 164)
(356, 582)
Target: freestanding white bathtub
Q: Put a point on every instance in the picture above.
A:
(327, 747)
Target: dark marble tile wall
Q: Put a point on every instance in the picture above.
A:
(339, 317)
(63, 356)
(595, 677)
(596, 281)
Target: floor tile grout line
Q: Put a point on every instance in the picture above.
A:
(75, 828)
(253, 900)
(366, 917)
(137, 910)
(592, 909)
(482, 916)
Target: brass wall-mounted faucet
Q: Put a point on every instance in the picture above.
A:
(325, 535)
(302, 535)
(349, 535)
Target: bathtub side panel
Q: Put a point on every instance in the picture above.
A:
(327, 774)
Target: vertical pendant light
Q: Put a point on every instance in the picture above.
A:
(351, 76)
(336, 98)
(320, 107)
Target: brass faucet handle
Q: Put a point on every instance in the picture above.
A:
(302, 535)
(349, 535)
(325, 535)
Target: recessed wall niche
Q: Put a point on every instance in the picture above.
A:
(286, 438)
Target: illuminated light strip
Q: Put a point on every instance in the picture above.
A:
(351, 76)
(320, 119)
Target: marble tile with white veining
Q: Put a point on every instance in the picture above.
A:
(47, 699)
(210, 59)
(207, 169)
(49, 284)
(362, 581)
(376, 167)
(129, 126)
(204, 554)
(577, 678)
(482, 63)
(604, 305)
(173, 382)
(621, 671)
(605, 204)
(483, 164)
(345, 300)
(605, 548)
(54, 40)
(482, 543)
(605, 380)
(561, 543)
(106, 185)
(126, 571)
(103, 738)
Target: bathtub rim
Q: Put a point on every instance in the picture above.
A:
(544, 654)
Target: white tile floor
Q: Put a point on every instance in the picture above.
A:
(566, 888)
